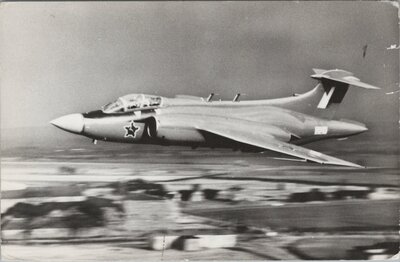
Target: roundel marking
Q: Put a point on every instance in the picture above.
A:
(131, 129)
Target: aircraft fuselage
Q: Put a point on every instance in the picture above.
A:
(177, 124)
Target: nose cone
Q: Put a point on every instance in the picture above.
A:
(71, 123)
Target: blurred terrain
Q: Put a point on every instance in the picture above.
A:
(108, 197)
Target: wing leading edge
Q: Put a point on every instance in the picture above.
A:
(269, 142)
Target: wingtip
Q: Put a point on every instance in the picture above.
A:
(343, 163)
(358, 166)
(354, 165)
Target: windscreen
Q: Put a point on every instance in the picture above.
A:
(114, 107)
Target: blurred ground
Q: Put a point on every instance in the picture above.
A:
(257, 198)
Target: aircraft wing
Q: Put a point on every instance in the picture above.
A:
(269, 142)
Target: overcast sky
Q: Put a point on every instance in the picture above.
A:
(66, 57)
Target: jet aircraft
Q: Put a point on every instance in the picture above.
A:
(280, 125)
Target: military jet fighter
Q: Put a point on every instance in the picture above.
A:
(280, 125)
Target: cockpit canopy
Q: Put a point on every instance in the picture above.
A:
(131, 102)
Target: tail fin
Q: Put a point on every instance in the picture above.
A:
(334, 85)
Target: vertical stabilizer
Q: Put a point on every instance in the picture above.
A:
(334, 84)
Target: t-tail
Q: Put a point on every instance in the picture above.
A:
(333, 85)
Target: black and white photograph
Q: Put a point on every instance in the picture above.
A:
(199, 130)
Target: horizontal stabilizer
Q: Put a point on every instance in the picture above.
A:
(340, 76)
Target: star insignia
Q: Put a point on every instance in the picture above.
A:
(131, 130)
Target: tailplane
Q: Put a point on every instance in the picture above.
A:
(334, 85)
